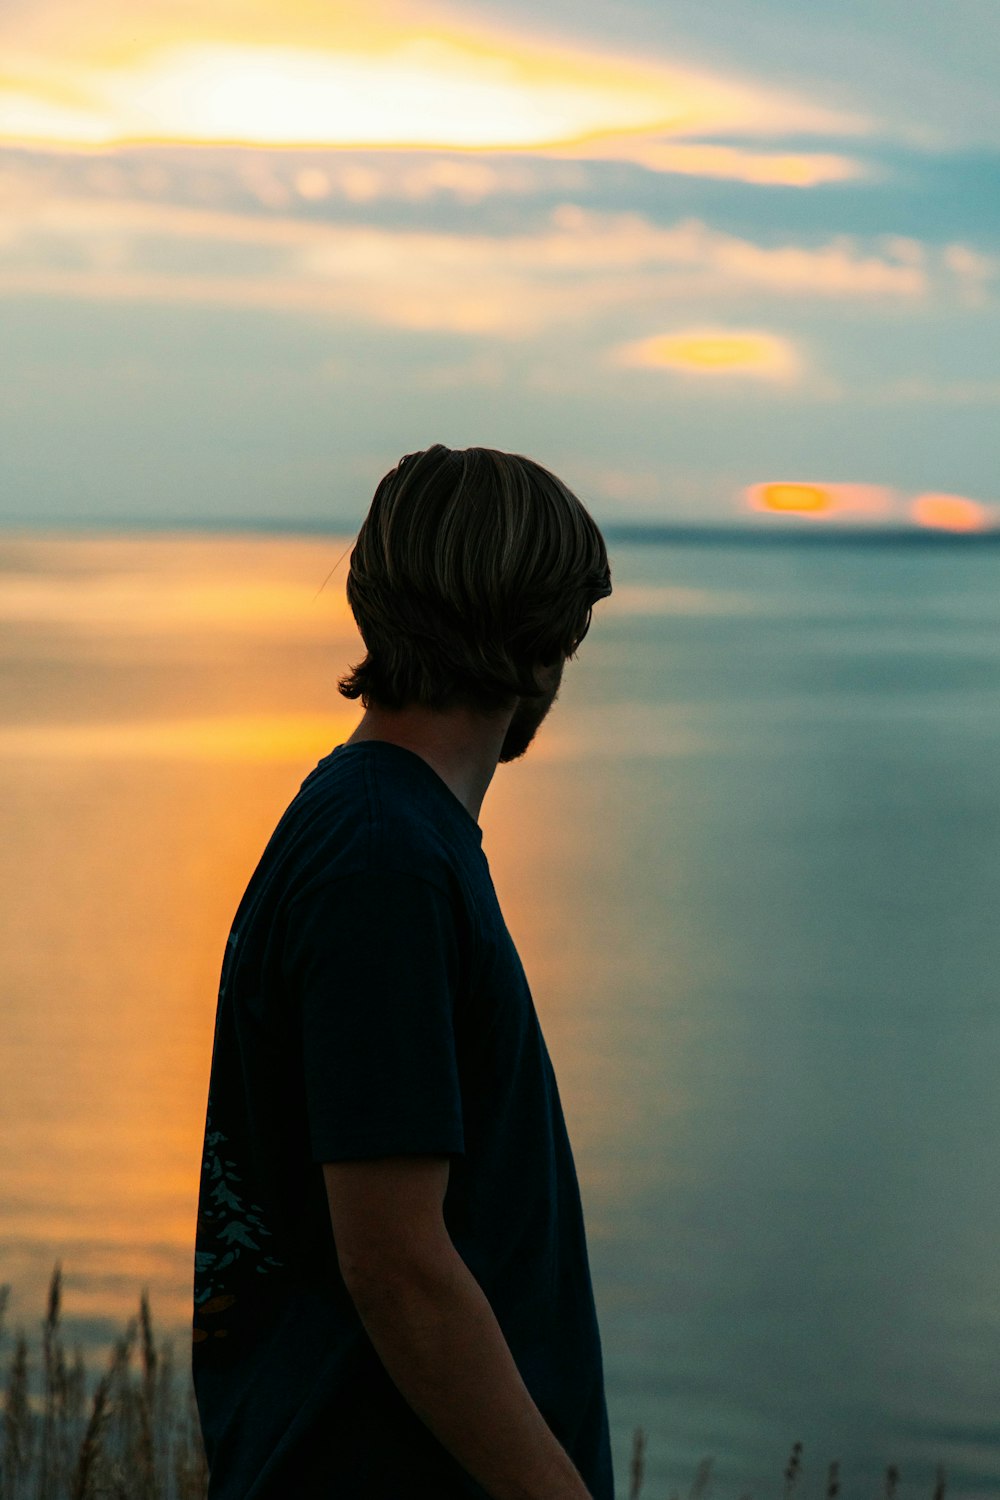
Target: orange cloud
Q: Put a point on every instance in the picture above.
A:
(714, 351)
(820, 500)
(950, 512)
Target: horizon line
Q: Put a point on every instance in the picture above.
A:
(639, 531)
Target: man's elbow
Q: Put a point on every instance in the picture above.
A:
(385, 1278)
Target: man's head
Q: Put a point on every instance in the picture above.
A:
(472, 581)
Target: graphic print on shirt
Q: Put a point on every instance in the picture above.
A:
(229, 1231)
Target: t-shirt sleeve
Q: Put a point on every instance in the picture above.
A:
(373, 960)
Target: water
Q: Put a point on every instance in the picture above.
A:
(752, 864)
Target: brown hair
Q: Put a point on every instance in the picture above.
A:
(471, 568)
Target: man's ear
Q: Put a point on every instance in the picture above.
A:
(548, 674)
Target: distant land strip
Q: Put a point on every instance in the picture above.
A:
(770, 535)
(673, 533)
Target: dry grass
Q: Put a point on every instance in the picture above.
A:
(134, 1437)
(137, 1436)
(701, 1488)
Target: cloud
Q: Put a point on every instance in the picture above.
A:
(379, 78)
(799, 169)
(825, 503)
(969, 264)
(425, 92)
(578, 265)
(304, 184)
(953, 513)
(972, 271)
(821, 500)
(714, 352)
(835, 269)
(919, 389)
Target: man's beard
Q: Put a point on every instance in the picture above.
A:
(527, 716)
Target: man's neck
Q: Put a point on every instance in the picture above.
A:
(461, 746)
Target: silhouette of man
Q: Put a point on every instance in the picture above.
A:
(392, 1295)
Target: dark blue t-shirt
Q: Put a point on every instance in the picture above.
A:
(372, 1003)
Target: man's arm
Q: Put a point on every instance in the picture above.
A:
(434, 1329)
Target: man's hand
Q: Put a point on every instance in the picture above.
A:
(434, 1330)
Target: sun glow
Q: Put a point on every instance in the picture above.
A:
(427, 91)
(375, 79)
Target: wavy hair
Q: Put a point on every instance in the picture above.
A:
(471, 568)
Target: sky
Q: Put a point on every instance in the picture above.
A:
(727, 263)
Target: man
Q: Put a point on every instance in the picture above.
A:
(392, 1296)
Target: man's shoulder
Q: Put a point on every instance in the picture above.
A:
(361, 815)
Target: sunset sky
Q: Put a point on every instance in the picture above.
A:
(706, 262)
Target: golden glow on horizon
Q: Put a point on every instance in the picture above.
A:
(295, 738)
(714, 351)
(133, 604)
(949, 512)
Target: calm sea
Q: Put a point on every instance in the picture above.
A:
(752, 864)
